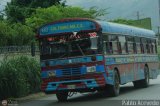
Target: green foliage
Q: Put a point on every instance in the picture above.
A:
(53, 13)
(19, 76)
(15, 13)
(123, 21)
(15, 31)
(23, 34)
(18, 10)
(15, 34)
(96, 13)
(1, 17)
(4, 33)
(142, 23)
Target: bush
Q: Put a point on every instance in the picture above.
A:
(19, 76)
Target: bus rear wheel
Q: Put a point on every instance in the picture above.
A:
(62, 96)
(113, 90)
(144, 82)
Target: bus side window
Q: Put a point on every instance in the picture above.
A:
(122, 44)
(152, 46)
(109, 47)
(130, 45)
(106, 44)
(156, 42)
(141, 44)
(144, 45)
(138, 45)
(134, 46)
(148, 44)
(113, 43)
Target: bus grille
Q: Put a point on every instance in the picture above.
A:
(71, 71)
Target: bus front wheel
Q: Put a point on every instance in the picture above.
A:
(62, 96)
(113, 90)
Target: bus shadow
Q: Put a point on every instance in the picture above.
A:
(104, 95)
(129, 89)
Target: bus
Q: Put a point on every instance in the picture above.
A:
(86, 55)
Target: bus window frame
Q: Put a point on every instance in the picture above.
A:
(136, 41)
(138, 48)
(131, 42)
(108, 49)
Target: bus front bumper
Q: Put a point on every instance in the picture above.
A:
(74, 85)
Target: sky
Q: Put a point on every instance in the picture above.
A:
(2, 4)
(126, 9)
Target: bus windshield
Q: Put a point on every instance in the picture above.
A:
(68, 46)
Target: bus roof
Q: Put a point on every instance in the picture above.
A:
(114, 28)
(78, 24)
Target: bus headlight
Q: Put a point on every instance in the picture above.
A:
(51, 74)
(91, 69)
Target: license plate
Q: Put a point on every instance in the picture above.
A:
(71, 86)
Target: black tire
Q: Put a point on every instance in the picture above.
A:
(62, 96)
(144, 83)
(113, 90)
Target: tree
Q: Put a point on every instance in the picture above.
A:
(18, 33)
(23, 34)
(53, 13)
(4, 33)
(15, 34)
(123, 21)
(18, 10)
(142, 23)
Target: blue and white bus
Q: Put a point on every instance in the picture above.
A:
(82, 55)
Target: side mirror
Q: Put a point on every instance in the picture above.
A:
(33, 48)
(94, 42)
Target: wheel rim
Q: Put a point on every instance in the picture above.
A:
(147, 75)
(117, 83)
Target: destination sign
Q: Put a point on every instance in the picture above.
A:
(73, 26)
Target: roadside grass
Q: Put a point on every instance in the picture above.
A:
(19, 76)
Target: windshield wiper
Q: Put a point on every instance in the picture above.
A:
(62, 55)
(80, 49)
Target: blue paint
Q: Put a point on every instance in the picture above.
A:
(109, 79)
(56, 62)
(62, 27)
(43, 64)
(99, 58)
(123, 79)
(92, 84)
(115, 28)
(100, 68)
(50, 86)
(58, 73)
(44, 74)
(83, 69)
(110, 61)
(107, 27)
(130, 59)
(141, 74)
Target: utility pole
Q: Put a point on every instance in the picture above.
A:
(159, 10)
(138, 15)
(158, 29)
(159, 21)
